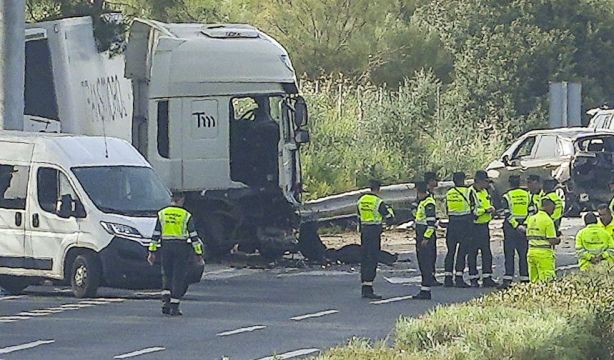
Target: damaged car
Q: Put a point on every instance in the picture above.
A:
(580, 159)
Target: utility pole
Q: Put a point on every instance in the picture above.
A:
(12, 63)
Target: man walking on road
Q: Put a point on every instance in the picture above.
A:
(515, 209)
(542, 237)
(425, 236)
(594, 243)
(176, 235)
(460, 215)
(432, 182)
(372, 211)
(480, 233)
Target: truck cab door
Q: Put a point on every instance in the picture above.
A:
(289, 166)
(14, 179)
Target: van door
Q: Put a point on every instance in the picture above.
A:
(48, 234)
(14, 177)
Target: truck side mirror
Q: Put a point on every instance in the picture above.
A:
(301, 116)
(64, 208)
(301, 137)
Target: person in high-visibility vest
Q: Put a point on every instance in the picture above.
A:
(542, 237)
(550, 192)
(432, 182)
(480, 232)
(593, 243)
(372, 212)
(606, 220)
(460, 215)
(426, 220)
(176, 238)
(534, 184)
(516, 204)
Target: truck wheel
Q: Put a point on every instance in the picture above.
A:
(271, 252)
(85, 275)
(14, 285)
(309, 242)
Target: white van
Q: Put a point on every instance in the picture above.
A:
(79, 210)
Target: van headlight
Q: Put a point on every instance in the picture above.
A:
(120, 229)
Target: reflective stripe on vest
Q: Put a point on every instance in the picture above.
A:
(421, 218)
(518, 202)
(537, 230)
(483, 202)
(174, 223)
(368, 210)
(457, 201)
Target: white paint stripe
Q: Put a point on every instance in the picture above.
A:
(242, 330)
(94, 302)
(139, 352)
(314, 315)
(394, 299)
(7, 321)
(317, 273)
(14, 318)
(25, 313)
(112, 299)
(11, 297)
(48, 311)
(292, 354)
(11, 349)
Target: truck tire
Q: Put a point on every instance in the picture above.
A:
(85, 275)
(14, 285)
(309, 242)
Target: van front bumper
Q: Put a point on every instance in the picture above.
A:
(124, 265)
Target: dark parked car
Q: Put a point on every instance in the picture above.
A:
(580, 159)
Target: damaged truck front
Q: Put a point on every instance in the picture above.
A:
(580, 159)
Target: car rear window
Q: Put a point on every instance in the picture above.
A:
(596, 144)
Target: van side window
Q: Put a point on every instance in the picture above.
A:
(163, 136)
(52, 185)
(13, 186)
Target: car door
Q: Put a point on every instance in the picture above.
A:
(546, 159)
(13, 196)
(48, 234)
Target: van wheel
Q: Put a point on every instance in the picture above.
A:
(14, 285)
(85, 275)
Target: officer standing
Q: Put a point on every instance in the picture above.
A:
(176, 235)
(593, 243)
(425, 236)
(459, 209)
(542, 237)
(432, 182)
(371, 211)
(605, 218)
(515, 209)
(480, 233)
(559, 203)
(534, 184)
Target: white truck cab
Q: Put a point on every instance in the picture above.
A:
(79, 210)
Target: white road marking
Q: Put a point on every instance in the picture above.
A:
(292, 354)
(318, 273)
(48, 311)
(139, 352)
(242, 330)
(228, 273)
(94, 302)
(26, 313)
(78, 306)
(394, 299)
(314, 315)
(11, 297)
(14, 318)
(30, 345)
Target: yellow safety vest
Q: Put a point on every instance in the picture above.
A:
(483, 203)
(593, 240)
(457, 201)
(612, 205)
(518, 206)
(540, 230)
(421, 218)
(559, 205)
(368, 210)
(536, 203)
(174, 223)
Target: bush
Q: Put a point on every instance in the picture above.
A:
(571, 318)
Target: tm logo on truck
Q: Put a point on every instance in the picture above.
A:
(204, 120)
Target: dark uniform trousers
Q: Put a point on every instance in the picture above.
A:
(425, 255)
(457, 241)
(480, 242)
(175, 259)
(515, 243)
(370, 244)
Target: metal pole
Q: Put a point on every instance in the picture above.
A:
(12, 63)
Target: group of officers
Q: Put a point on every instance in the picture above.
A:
(531, 228)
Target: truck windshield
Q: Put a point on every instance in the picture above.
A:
(124, 190)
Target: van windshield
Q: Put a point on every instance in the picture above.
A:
(124, 190)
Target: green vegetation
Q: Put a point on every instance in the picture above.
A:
(571, 318)
(438, 85)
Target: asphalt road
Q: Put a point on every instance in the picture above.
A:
(233, 313)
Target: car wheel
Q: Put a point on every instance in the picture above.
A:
(14, 285)
(85, 275)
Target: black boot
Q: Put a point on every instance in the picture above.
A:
(489, 283)
(505, 284)
(422, 295)
(475, 283)
(174, 311)
(447, 282)
(166, 304)
(367, 293)
(460, 283)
